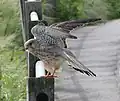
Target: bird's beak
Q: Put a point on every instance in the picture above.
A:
(26, 49)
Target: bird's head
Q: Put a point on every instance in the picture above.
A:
(30, 45)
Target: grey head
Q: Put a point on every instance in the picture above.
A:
(30, 45)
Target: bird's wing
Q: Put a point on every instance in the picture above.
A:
(56, 32)
(68, 26)
(69, 56)
(61, 30)
(38, 30)
(41, 30)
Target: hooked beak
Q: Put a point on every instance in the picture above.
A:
(26, 49)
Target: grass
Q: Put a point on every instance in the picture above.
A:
(13, 69)
(12, 58)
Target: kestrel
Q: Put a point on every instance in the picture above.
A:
(50, 47)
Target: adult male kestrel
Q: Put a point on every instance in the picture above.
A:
(50, 47)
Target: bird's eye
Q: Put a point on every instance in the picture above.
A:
(30, 44)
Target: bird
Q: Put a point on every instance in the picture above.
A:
(54, 56)
(50, 45)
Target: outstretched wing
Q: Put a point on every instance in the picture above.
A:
(67, 26)
(56, 32)
(61, 29)
(39, 30)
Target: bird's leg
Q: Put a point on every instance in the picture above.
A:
(48, 73)
(52, 75)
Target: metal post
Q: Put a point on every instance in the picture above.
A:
(38, 89)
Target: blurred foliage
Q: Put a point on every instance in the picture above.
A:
(77, 9)
(70, 9)
(12, 57)
(113, 8)
(49, 10)
(63, 10)
(9, 20)
(96, 8)
(13, 75)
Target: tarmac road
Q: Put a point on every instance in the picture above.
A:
(98, 48)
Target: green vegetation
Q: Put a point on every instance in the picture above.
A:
(96, 8)
(113, 9)
(13, 74)
(12, 57)
(70, 9)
